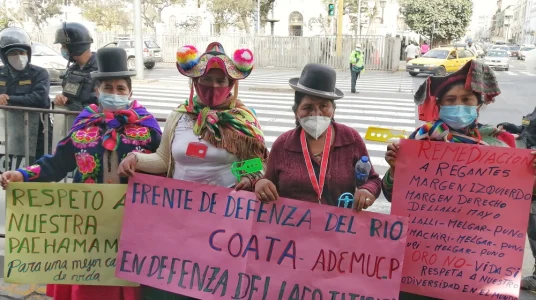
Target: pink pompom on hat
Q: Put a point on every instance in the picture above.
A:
(191, 64)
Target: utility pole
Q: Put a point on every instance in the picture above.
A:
(340, 11)
(432, 36)
(138, 40)
(258, 17)
(358, 29)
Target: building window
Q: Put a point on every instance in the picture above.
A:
(295, 24)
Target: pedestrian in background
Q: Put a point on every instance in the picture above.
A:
(23, 84)
(412, 51)
(357, 64)
(425, 48)
(471, 47)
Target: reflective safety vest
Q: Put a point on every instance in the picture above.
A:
(357, 61)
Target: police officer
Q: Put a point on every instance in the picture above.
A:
(78, 86)
(23, 84)
(526, 139)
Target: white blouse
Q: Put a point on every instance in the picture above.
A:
(213, 169)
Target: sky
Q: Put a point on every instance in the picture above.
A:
(482, 7)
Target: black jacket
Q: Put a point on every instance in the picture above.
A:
(78, 86)
(29, 87)
(526, 131)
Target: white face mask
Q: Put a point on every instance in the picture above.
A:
(18, 62)
(315, 126)
(113, 102)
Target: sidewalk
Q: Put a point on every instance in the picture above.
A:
(402, 66)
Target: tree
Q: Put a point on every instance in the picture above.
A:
(151, 10)
(107, 13)
(228, 13)
(191, 24)
(237, 12)
(446, 20)
(38, 11)
(266, 7)
(323, 21)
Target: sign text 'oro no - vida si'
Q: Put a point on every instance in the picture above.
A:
(468, 210)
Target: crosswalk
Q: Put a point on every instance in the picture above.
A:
(385, 100)
(513, 73)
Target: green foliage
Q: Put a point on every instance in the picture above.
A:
(266, 8)
(238, 12)
(107, 13)
(42, 10)
(151, 10)
(38, 11)
(191, 24)
(449, 18)
(4, 21)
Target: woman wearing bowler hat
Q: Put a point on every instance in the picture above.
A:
(99, 139)
(315, 161)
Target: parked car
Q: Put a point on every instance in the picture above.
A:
(440, 61)
(498, 59)
(514, 51)
(501, 47)
(523, 51)
(152, 53)
(52, 61)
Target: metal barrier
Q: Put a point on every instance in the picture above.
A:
(292, 52)
(47, 113)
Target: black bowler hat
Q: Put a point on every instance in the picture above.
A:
(317, 80)
(112, 63)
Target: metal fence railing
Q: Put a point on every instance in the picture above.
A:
(276, 51)
(22, 154)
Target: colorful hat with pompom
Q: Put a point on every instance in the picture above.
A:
(191, 64)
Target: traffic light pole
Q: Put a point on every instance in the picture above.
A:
(358, 29)
(138, 39)
(340, 11)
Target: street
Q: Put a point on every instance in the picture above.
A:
(384, 99)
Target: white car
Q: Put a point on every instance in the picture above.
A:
(501, 47)
(524, 50)
(498, 59)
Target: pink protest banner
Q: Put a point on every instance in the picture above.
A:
(211, 242)
(468, 210)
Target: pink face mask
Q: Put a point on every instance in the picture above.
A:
(213, 96)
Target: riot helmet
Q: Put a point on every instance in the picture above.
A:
(14, 38)
(75, 37)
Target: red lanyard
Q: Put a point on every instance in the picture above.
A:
(318, 187)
